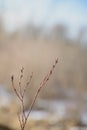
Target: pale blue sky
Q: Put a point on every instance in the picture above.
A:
(17, 13)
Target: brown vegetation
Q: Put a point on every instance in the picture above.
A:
(20, 93)
(37, 54)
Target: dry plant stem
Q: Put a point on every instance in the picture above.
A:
(44, 81)
(20, 92)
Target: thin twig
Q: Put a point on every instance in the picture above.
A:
(14, 88)
(44, 81)
(20, 93)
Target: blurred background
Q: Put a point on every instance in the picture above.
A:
(33, 33)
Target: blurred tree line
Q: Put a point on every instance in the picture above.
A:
(58, 32)
(72, 70)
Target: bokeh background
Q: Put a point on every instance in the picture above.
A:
(33, 33)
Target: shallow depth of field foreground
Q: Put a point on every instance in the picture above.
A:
(43, 65)
(61, 104)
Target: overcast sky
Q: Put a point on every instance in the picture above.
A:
(73, 13)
